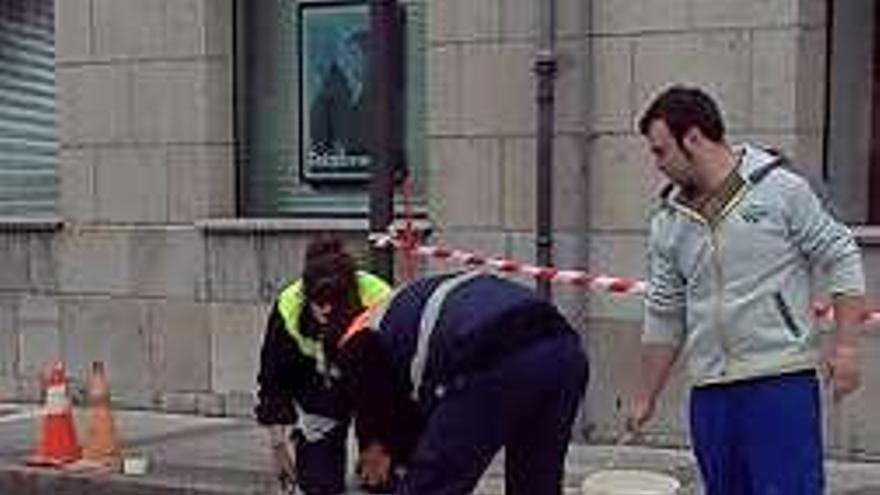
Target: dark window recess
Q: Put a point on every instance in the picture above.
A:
(874, 153)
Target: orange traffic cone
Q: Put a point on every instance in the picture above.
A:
(101, 448)
(58, 444)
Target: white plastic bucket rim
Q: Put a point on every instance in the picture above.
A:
(135, 465)
(629, 482)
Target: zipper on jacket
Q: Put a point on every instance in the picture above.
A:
(718, 251)
(717, 295)
(717, 276)
(713, 226)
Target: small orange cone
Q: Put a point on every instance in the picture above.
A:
(58, 444)
(101, 448)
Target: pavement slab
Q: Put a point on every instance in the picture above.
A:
(217, 456)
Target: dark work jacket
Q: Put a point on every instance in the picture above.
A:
(287, 373)
(481, 321)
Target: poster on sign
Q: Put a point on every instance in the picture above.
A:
(334, 91)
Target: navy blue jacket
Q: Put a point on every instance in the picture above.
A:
(481, 321)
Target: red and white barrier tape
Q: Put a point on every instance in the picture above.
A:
(616, 285)
(596, 283)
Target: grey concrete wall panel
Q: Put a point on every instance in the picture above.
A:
(639, 18)
(94, 262)
(115, 331)
(746, 13)
(38, 324)
(14, 253)
(445, 91)
(168, 262)
(201, 182)
(489, 108)
(94, 104)
(478, 20)
(236, 336)
(443, 24)
(209, 404)
(131, 185)
(519, 20)
(76, 190)
(240, 404)
(863, 437)
(219, 20)
(871, 260)
(43, 263)
(197, 27)
(9, 339)
(465, 182)
(129, 28)
(183, 101)
(572, 105)
(623, 183)
(810, 81)
(182, 346)
(178, 402)
(73, 24)
(233, 268)
(610, 86)
(519, 185)
(570, 176)
(774, 104)
(789, 80)
(134, 398)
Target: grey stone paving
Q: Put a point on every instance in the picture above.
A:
(198, 455)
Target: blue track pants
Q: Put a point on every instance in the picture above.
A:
(760, 436)
(526, 403)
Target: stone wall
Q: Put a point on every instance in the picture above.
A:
(149, 269)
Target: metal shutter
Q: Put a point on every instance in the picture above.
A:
(28, 142)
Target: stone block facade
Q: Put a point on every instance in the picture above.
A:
(151, 269)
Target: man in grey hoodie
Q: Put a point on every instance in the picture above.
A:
(735, 247)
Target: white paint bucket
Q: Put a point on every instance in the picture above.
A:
(629, 482)
(135, 465)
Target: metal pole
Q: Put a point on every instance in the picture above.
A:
(382, 23)
(545, 68)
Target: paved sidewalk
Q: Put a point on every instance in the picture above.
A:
(212, 456)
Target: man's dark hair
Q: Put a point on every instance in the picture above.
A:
(682, 108)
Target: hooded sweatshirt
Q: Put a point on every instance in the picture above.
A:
(735, 290)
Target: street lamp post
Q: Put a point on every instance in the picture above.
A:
(545, 68)
(383, 17)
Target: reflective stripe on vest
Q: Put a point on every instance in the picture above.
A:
(360, 323)
(291, 303)
(314, 427)
(371, 289)
(427, 325)
(372, 318)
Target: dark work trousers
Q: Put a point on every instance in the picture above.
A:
(321, 464)
(525, 402)
(760, 436)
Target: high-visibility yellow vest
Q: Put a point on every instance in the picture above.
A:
(291, 302)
